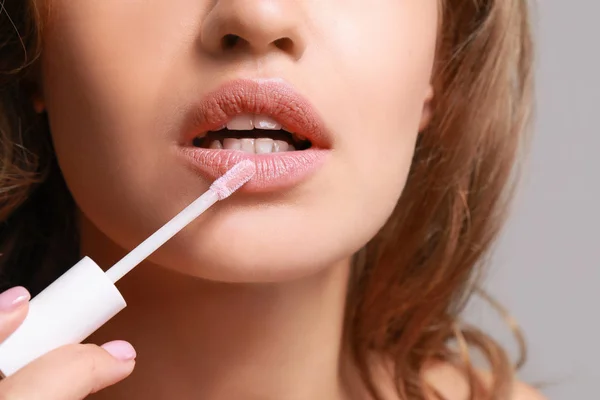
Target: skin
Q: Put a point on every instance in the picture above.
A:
(232, 307)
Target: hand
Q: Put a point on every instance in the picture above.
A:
(69, 373)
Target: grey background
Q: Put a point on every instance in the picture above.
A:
(546, 269)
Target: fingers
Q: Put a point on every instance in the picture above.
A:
(13, 309)
(71, 372)
(68, 373)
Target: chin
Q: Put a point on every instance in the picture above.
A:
(250, 263)
(232, 247)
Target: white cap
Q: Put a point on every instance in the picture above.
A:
(68, 311)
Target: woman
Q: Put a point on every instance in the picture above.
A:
(384, 135)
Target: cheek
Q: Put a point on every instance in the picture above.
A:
(383, 69)
(108, 66)
(106, 73)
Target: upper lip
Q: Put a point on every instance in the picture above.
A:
(270, 97)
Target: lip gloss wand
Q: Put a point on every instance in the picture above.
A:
(85, 297)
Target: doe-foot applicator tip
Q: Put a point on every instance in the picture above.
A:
(233, 179)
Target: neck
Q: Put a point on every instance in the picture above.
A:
(209, 340)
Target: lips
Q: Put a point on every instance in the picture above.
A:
(275, 99)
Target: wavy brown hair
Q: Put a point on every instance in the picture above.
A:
(413, 279)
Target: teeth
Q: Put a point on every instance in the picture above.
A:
(216, 144)
(232, 144)
(253, 146)
(247, 122)
(263, 146)
(264, 122)
(247, 145)
(242, 122)
(280, 146)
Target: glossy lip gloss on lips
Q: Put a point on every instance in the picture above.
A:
(272, 98)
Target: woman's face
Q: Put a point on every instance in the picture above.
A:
(129, 84)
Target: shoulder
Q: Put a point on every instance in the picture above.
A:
(452, 385)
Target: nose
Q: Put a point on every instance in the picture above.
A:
(254, 26)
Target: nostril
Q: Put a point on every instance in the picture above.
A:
(286, 44)
(229, 41)
(232, 41)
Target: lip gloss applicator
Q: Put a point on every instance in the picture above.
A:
(85, 297)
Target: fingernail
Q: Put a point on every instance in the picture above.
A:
(13, 298)
(120, 350)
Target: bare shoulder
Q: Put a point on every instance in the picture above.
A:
(452, 385)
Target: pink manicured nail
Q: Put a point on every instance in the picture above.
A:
(120, 350)
(13, 298)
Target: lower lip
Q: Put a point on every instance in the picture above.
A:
(274, 171)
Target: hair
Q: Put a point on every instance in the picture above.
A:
(413, 279)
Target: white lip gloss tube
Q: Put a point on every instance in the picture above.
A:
(85, 297)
